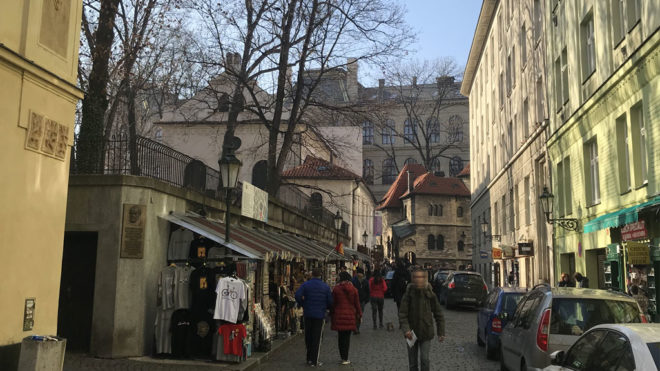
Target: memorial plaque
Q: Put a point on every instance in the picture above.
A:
(132, 234)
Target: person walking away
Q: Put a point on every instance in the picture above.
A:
(582, 281)
(362, 286)
(346, 313)
(399, 282)
(316, 298)
(419, 306)
(377, 288)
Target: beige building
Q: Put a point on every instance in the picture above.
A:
(38, 69)
(505, 79)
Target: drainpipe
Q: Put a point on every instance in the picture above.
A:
(353, 226)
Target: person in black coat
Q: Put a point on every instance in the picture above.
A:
(362, 285)
(400, 281)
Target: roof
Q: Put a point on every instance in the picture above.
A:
(393, 196)
(486, 16)
(465, 171)
(573, 292)
(430, 184)
(450, 90)
(403, 229)
(314, 167)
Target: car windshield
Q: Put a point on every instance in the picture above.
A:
(510, 302)
(441, 276)
(575, 316)
(465, 279)
(654, 348)
(389, 275)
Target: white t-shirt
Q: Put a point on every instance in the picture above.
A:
(231, 295)
(166, 283)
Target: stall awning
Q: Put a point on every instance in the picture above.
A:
(360, 256)
(403, 229)
(619, 217)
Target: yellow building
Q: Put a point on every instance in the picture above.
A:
(38, 68)
(603, 62)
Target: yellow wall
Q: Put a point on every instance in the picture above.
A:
(37, 73)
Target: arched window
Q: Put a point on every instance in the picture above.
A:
(438, 210)
(433, 130)
(316, 203)
(431, 242)
(368, 171)
(461, 245)
(410, 160)
(430, 210)
(435, 166)
(367, 132)
(459, 212)
(387, 133)
(389, 171)
(409, 131)
(260, 174)
(440, 242)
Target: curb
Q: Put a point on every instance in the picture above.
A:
(257, 358)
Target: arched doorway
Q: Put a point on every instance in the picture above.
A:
(260, 174)
(411, 257)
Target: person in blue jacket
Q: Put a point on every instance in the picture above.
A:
(316, 298)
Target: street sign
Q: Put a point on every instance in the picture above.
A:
(483, 254)
(497, 253)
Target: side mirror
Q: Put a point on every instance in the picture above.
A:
(557, 357)
(503, 316)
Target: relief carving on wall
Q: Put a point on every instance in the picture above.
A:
(46, 136)
(55, 26)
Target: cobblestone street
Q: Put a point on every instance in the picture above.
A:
(383, 350)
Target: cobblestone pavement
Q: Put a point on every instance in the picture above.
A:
(383, 350)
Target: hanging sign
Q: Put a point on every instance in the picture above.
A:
(638, 253)
(526, 248)
(507, 251)
(497, 253)
(634, 231)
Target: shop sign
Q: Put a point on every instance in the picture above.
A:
(507, 251)
(638, 253)
(497, 253)
(483, 254)
(526, 248)
(634, 231)
(254, 203)
(612, 251)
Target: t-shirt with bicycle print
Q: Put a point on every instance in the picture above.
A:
(231, 299)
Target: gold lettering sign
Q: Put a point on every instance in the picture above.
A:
(132, 236)
(638, 253)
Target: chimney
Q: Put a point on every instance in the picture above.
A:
(352, 79)
(410, 183)
(381, 88)
(233, 62)
(414, 81)
(444, 81)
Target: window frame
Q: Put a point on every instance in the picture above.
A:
(389, 164)
(588, 46)
(367, 132)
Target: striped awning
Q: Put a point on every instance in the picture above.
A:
(619, 217)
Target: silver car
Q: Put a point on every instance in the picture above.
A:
(551, 319)
(633, 346)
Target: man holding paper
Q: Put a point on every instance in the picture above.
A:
(419, 306)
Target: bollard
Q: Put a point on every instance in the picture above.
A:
(42, 353)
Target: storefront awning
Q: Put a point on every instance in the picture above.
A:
(619, 217)
(403, 229)
(360, 256)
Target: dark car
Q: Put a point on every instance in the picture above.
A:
(438, 279)
(499, 306)
(463, 288)
(388, 280)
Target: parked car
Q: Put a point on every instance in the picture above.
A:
(388, 280)
(633, 346)
(551, 319)
(492, 317)
(438, 279)
(463, 288)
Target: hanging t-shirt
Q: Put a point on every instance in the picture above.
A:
(179, 246)
(163, 328)
(201, 288)
(166, 283)
(232, 338)
(182, 287)
(230, 297)
(199, 248)
(203, 328)
(182, 328)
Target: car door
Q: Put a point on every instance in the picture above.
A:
(614, 353)
(509, 353)
(523, 335)
(582, 356)
(485, 314)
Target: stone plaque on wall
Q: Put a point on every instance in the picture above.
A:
(132, 231)
(46, 136)
(55, 25)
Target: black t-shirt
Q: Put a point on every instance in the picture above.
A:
(199, 249)
(202, 287)
(203, 328)
(182, 333)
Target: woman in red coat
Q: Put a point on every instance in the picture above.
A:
(346, 313)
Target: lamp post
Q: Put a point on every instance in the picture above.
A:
(546, 198)
(338, 220)
(229, 168)
(490, 237)
(365, 236)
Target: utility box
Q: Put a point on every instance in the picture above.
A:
(42, 353)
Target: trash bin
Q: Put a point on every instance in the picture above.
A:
(43, 353)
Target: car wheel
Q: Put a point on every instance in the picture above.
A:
(523, 365)
(502, 365)
(490, 352)
(479, 341)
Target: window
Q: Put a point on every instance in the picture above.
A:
(387, 134)
(389, 171)
(455, 129)
(512, 211)
(568, 191)
(368, 171)
(564, 75)
(638, 129)
(523, 46)
(516, 207)
(260, 175)
(558, 98)
(437, 210)
(525, 118)
(593, 176)
(509, 73)
(614, 351)
(582, 355)
(316, 203)
(409, 132)
(459, 212)
(495, 226)
(431, 242)
(433, 130)
(618, 25)
(367, 132)
(503, 220)
(633, 12)
(573, 316)
(528, 202)
(501, 89)
(623, 153)
(509, 144)
(538, 20)
(440, 242)
(410, 161)
(560, 188)
(430, 210)
(588, 46)
(540, 101)
(461, 245)
(435, 165)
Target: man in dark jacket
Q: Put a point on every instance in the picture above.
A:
(316, 298)
(399, 282)
(362, 285)
(419, 306)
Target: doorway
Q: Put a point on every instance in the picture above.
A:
(74, 317)
(568, 264)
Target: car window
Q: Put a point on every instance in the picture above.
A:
(654, 348)
(615, 354)
(582, 355)
(471, 279)
(510, 302)
(575, 316)
(491, 301)
(528, 317)
(518, 313)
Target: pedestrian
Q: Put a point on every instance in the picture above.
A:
(565, 281)
(582, 281)
(512, 279)
(377, 288)
(316, 298)
(469, 267)
(419, 306)
(346, 313)
(362, 286)
(400, 281)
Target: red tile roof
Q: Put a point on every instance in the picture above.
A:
(465, 171)
(314, 167)
(400, 185)
(429, 184)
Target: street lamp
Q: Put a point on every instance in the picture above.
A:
(546, 205)
(338, 221)
(365, 236)
(229, 168)
(490, 237)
